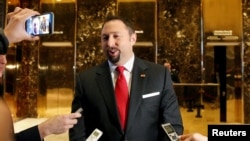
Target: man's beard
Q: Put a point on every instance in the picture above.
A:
(113, 60)
(111, 57)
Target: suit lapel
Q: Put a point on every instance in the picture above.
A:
(139, 78)
(104, 82)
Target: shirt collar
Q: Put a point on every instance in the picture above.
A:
(128, 65)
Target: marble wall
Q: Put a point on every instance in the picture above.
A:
(90, 15)
(179, 37)
(27, 74)
(246, 58)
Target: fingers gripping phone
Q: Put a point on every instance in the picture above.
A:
(40, 24)
(169, 130)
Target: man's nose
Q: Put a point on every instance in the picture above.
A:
(111, 41)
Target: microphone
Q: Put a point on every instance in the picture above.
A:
(170, 131)
(95, 135)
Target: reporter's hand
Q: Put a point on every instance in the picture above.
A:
(15, 28)
(193, 137)
(58, 124)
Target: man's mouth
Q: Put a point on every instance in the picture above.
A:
(113, 52)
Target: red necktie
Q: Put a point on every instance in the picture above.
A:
(121, 91)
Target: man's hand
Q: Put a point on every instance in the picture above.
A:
(58, 124)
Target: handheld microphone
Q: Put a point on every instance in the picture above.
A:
(169, 130)
(95, 135)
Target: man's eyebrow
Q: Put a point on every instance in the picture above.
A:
(104, 35)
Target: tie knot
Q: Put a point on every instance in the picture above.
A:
(120, 69)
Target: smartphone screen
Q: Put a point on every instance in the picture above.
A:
(40, 24)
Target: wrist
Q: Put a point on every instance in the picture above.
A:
(43, 130)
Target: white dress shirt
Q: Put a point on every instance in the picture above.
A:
(127, 71)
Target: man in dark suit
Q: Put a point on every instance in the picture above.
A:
(152, 99)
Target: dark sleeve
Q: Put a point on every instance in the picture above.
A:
(169, 103)
(4, 43)
(31, 133)
(78, 132)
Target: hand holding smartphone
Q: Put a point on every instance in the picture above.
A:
(40, 24)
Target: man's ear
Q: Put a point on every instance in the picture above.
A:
(133, 38)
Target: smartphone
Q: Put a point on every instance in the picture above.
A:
(95, 135)
(169, 130)
(40, 24)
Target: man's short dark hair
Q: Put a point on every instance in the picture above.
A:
(127, 22)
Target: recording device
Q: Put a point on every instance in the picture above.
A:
(169, 130)
(95, 135)
(40, 24)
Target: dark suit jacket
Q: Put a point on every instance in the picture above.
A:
(94, 92)
(31, 133)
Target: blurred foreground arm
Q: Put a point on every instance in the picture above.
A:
(58, 124)
(193, 137)
(55, 125)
